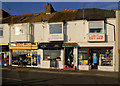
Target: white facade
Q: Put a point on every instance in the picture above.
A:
(5, 37)
(77, 31)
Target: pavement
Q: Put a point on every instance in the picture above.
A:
(76, 72)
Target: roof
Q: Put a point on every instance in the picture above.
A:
(65, 15)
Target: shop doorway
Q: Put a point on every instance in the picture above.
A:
(69, 57)
(94, 58)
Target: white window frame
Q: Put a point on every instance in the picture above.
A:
(56, 24)
(20, 32)
(1, 28)
(96, 22)
(56, 36)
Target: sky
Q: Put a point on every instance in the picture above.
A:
(19, 8)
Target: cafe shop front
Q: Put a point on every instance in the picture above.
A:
(96, 53)
(24, 54)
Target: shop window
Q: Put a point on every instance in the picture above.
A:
(55, 28)
(95, 27)
(24, 57)
(83, 56)
(106, 57)
(52, 54)
(18, 31)
(1, 31)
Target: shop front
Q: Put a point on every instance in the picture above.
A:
(24, 54)
(52, 55)
(69, 53)
(4, 54)
(100, 58)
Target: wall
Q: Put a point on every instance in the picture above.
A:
(109, 30)
(25, 37)
(5, 37)
(41, 32)
(77, 31)
(117, 31)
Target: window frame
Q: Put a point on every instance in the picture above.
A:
(51, 49)
(102, 29)
(19, 31)
(1, 28)
(55, 24)
(83, 53)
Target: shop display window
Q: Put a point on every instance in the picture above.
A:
(83, 56)
(106, 57)
(52, 54)
(24, 57)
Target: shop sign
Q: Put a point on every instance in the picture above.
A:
(23, 44)
(49, 45)
(96, 37)
(69, 44)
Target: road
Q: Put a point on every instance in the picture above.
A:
(34, 78)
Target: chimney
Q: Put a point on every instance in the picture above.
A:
(49, 8)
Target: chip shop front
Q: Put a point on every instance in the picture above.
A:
(24, 54)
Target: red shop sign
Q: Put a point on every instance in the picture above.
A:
(96, 37)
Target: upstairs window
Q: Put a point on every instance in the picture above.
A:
(55, 28)
(18, 31)
(1, 31)
(95, 27)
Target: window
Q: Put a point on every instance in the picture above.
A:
(97, 30)
(18, 30)
(106, 57)
(1, 31)
(55, 28)
(24, 57)
(95, 27)
(83, 56)
(35, 15)
(22, 18)
(52, 54)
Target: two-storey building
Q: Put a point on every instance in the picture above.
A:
(81, 39)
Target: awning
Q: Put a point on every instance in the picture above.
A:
(49, 45)
(69, 44)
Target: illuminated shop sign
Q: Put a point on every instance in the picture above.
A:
(23, 44)
(96, 37)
